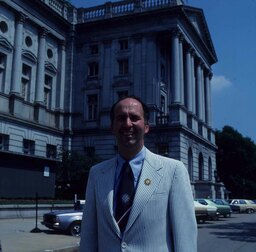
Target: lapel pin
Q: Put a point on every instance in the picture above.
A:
(147, 181)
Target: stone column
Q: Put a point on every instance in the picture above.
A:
(151, 60)
(62, 75)
(41, 67)
(188, 80)
(182, 99)
(199, 84)
(208, 101)
(203, 92)
(175, 68)
(17, 65)
(193, 81)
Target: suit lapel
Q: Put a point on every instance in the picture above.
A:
(106, 192)
(150, 178)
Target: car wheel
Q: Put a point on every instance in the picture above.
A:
(249, 211)
(75, 228)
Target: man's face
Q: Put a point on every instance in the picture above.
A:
(129, 125)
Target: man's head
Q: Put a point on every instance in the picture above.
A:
(129, 123)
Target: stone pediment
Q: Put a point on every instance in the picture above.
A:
(29, 56)
(122, 81)
(50, 68)
(197, 19)
(4, 43)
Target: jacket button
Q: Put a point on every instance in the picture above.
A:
(123, 245)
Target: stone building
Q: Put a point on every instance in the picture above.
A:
(61, 69)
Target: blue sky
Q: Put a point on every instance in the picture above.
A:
(232, 25)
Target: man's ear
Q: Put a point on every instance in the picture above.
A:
(146, 128)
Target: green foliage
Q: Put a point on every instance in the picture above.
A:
(72, 174)
(236, 163)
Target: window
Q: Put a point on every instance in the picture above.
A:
(89, 151)
(123, 66)
(163, 149)
(92, 101)
(4, 142)
(48, 91)
(190, 164)
(94, 49)
(122, 94)
(163, 73)
(2, 71)
(201, 167)
(93, 69)
(51, 151)
(123, 44)
(3, 27)
(162, 117)
(28, 41)
(210, 168)
(25, 82)
(163, 104)
(28, 147)
(49, 53)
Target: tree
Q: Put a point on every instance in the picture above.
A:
(236, 162)
(72, 174)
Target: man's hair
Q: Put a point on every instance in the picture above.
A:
(144, 107)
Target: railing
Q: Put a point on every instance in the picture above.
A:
(63, 8)
(162, 120)
(120, 8)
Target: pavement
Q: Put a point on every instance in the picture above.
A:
(16, 236)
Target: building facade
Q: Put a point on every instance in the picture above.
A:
(62, 68)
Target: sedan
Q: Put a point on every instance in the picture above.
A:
(205, 212)
(243, 205)
(223, 207)
(68, 221)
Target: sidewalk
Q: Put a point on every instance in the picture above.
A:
(15, 236)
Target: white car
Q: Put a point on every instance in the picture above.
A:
(68, 221)
(205, 212)
(243, 205)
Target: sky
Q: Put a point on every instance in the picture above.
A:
(232, 25)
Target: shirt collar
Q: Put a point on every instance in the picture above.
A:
(139, 157)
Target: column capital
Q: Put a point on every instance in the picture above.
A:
(62, 43)
(209, 74)
(188, 48)
(192, 51)
(181, 37)
(200, 63)
(43, 32)
(176, 32)
(21, 18)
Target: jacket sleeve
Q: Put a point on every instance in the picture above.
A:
(182, 212)
(89, 232)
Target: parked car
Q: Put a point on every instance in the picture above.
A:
(243, 205)
(205, 212)
(212, 210)
(201, 212)
(68, 221)
(223, 208)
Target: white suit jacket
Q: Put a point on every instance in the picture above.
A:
(162, 218)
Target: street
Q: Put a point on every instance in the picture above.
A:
(235, 234)
(16, 236)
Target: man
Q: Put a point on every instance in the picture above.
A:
(161, 217)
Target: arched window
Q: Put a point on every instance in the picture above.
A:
(190, 164)
(201, 167)
(210, 168)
